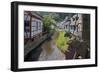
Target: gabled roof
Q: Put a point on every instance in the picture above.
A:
(34, 14)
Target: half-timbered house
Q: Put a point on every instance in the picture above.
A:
(32, 26)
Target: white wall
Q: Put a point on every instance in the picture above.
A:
(5, 35)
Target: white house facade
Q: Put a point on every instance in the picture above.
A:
(32, 25)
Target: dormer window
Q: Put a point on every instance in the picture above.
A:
(73, 19)
(77, 18)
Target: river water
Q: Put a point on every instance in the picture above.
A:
(51, 52)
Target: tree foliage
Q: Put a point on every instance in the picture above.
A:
(48, 21)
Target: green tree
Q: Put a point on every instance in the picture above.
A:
(47, 22)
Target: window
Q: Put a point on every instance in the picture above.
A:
(73, 27)
(26, 29)
(39, 26)
(33, 26)
(26, 17)
(26, 23)
(73, 19)
(26, 26)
